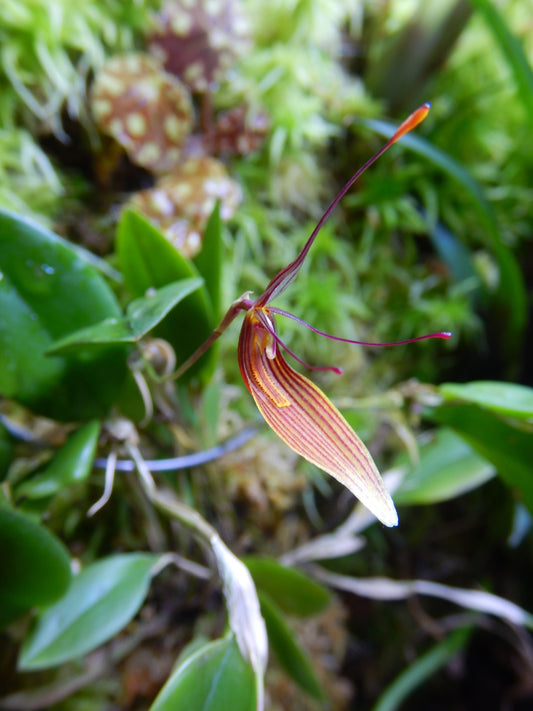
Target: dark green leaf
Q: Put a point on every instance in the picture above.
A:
(209, 260)
(453, 253)
(214, 678)
(289, 653)
(147, 261)
(448, 467)
(35, 566)
(142, 316)
(47, 291)
(290, 589)
(110, 331)
(100, 601)
(71, 464)
(500, 441)
(146, 312)
(10, 611)
(211, 411)
(506, 398)
(419, 671)
(6, 451)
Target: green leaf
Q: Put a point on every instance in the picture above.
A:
(142, 315)
(506, 398)
(6, 451)
(215, 678)
(289, 588)
(35, 565)
(289, 653)
(500, 441)
(513, 52)
(110, 331)
(457, 257)
(71, 464)
(448, 467)
(147, 260)
(209, 260)
(210, 412)
(422, 669)
(196, 643)
(47, 290)
(145, 313)
(100, 601)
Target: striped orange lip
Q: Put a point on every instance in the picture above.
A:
(306, 420)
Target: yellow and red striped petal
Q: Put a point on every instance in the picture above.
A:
(307, 421)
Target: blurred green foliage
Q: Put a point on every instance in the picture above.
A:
(437, 236)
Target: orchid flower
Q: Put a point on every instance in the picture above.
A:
(294, 407)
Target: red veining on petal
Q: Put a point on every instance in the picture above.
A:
(308, 422)
(253, 361)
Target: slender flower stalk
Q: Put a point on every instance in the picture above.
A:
(295, 408)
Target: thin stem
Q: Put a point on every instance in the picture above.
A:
(165, 501)
(287, 275)
(188, 566)
(146, 397)
(287, 314)
(270, 328)
(243, 303)
(109, 480)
